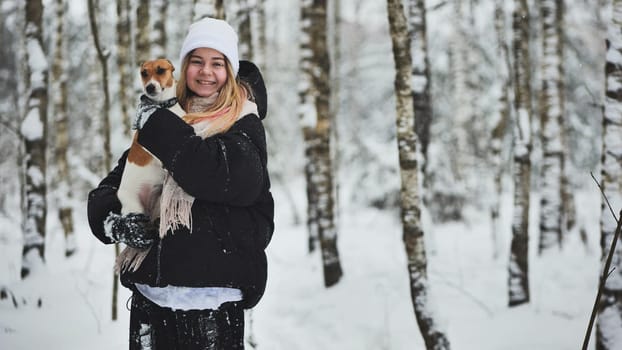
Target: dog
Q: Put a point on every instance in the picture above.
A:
(143, 175)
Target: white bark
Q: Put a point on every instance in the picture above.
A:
(500, 130)
(125, 64)
(34, 131)
(208, 8)
(518, 280)
(314, 92)
(143, 28)
(609, 327)
(420, 76)
(64, 191)
(410, 202)
(551, 109)
(243, 22)
(158, 34)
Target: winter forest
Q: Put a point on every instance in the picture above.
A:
(447, 174)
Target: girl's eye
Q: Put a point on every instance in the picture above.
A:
(196, 62)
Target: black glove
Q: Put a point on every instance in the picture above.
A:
(133, 229)
(145, 109)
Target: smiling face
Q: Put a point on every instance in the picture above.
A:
(206, 72)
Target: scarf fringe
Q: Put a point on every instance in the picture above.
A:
(130, 259)
(175, 207)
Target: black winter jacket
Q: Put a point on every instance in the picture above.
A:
(232, 214)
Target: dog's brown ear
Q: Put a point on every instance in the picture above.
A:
(171, 63)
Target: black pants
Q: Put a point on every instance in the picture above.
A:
(157, 328)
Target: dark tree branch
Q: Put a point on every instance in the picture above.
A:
(606, 271)
(12, 128)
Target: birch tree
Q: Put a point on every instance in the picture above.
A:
(142, 40)
(243, 19)
(551, 119)
(102, 56)
(500, 128)
(314, 94)
(420, 76)
(409, 195)
(446, 195)
(609, 326)
(125, 65)
(262, 44)
(34, 131)
(518, 270)
(334, 44)
(569, 211)
(11, 145)
(208, 8)
(158, 34)
(59, 84)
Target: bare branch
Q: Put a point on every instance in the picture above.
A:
(12, 128)
(604, 196)
(606, 270)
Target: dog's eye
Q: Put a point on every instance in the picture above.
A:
(160, 71)
(143, 73)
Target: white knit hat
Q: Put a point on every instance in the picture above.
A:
(214, 34)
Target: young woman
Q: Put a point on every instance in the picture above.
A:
(209, 265)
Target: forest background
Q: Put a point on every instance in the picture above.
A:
(65, 301)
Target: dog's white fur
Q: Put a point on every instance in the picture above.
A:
(141, 182)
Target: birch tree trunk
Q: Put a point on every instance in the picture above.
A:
(551, 119)
(11, 84)
(500, 129)
(208, 8)
(334, 44)
(609, 326)
(158, 34)
(262, 43)
(34, 131)
(518, 280)
(420, 77)
(315, 117)
(102, 56)
(243, 15)
(143, 45)
(308, 117)
(125, 64)
(409, 196)
(59, 83)
(569, 211)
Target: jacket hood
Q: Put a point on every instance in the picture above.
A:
(250, 73)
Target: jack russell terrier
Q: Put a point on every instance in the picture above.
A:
(141, 182)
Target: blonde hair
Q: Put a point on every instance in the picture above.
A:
(227, 107)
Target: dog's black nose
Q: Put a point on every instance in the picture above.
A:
(150, 89)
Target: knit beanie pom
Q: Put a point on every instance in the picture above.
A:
(214, 34)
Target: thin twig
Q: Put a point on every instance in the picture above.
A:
(604, 196)
(606, 271)
(90, 305)
(466, 293)
(11, 128)
(436, 7)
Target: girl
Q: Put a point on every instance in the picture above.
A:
(208, 264)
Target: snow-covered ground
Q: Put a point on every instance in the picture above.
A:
(370, 308)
